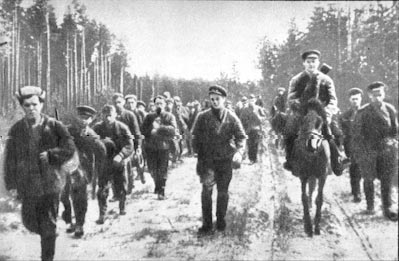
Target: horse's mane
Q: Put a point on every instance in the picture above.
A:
(314, 116)
(316, 105)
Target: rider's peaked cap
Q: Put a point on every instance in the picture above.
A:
(217, 89)
(86, 110)
(375, 85)
(311, 54)
(354, 91)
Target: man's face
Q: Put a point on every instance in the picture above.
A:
(85, 120)
(131, 104)
(140, 108)
(160, 103)
(109, 117)
(169, 105)
(252, 101)
(119, 103)
(217, 101)
(377, 95)
(32, 107)
(355, 100)
(311, 64)
(280, 92)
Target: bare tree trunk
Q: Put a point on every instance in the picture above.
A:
(76, 70)
(349, 54)
(109, 72)
(68, 87)
(121, 83)
(48, 74)
(339, 40)
(39, 60)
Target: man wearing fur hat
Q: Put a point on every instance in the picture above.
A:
(311, 83)
(219, 140)
(346, 120)
(375, 147)
(37, 147)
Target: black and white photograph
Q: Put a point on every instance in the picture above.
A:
(198, 130)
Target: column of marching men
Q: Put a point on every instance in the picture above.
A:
(131, 136)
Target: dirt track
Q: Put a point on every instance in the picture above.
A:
(264, 223)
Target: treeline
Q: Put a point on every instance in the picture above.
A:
(361, 45)
(78, 61)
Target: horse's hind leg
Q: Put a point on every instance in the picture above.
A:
(312, 185)
(319, 203)
(306, 216)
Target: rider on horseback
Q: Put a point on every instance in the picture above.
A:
(308, 84)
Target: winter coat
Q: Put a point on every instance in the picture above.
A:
(303, 87)
(216, 138)
(119, 134)
(346, 122)
(23, 169)
(168, 130)
(130, 119)
(251, 118)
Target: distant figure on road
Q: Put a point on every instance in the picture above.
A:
(376, 147)
(213, 132)
(251, 118)
(159, 128)
(37, 146)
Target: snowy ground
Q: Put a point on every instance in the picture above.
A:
(264, 223)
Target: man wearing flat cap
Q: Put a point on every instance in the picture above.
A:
(159, 129)
(119, 143)
(219, 140)
(251, 118)
(36, 150)
(375, 147)
(92, 153)
(311, 83)
(346, 121)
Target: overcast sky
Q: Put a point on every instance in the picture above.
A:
(196, 39)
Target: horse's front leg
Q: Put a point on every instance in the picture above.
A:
(306, 216)
(319, 203)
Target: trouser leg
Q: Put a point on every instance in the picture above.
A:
(79, 199)
(223, 175)
(120, 182)
(369, 192)
(47, 211)
(66, 202)
(206, 201)
(355, 177)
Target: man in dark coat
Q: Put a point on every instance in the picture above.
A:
(36, 149)
(181, 114)
(279, 102)
(346, 120)
(159, 128)
(92, 154)
(311, 83)
(218, 139)
(119, 143)
(130, 119)
(375, 147)
(251, 118)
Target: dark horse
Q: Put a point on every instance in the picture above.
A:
(311, 161)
